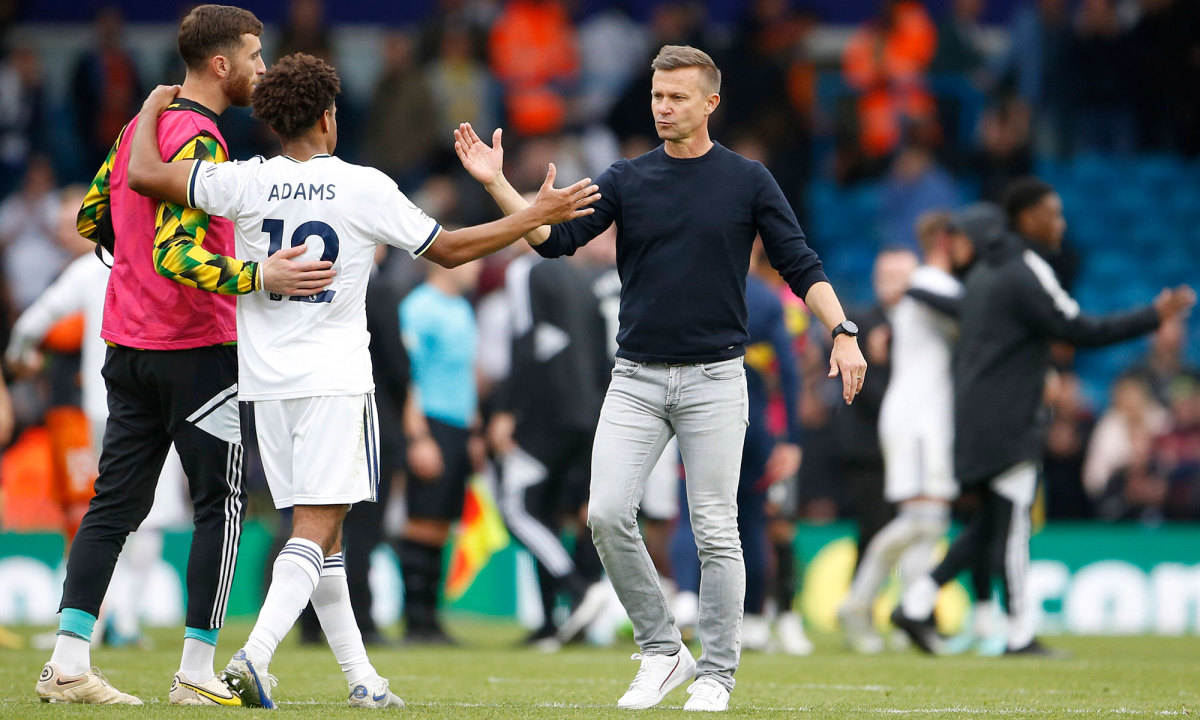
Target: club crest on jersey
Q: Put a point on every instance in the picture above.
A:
(302, 191)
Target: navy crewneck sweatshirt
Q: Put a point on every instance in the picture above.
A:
(685, 227)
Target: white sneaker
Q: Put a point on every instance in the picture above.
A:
(707, 695)
(792, 639)
(658, 675)
(374, 694)
(90, 688)
(861, 635)
(253, 685)
(212, 692)
(594, 601)
(756, 633)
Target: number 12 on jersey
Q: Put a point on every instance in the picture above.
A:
(312, 228)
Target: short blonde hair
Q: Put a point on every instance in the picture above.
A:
(674, 57)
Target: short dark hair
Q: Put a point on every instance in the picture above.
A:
(294, 94)
(1022, 194)
(210, 30)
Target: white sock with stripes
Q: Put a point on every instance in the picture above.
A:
(295, 575)
(332, 602)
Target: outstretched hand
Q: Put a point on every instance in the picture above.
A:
(1175, 302)
(160, 98)
(284, 276)
(485, 164)
(555, 206)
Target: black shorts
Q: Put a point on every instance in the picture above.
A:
(442, 499)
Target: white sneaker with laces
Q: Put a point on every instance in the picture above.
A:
(212, 692)
(90, 688)
(707, 695)
(374, 694)
(658, 675)
(792, 639)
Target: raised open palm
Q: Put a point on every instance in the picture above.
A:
(484, 163)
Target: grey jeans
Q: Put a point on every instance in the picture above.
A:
(706, 407)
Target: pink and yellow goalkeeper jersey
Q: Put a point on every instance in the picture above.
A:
(174, 276)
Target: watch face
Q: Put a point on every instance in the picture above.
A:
(850, 327)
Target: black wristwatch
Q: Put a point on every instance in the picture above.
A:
(845, 327)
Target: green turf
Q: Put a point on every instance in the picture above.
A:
(489, 678)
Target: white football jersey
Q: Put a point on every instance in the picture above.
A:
(290, 347)
(920, 392)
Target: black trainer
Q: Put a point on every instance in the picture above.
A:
(922, 632)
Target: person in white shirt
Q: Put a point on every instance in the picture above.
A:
(303, 360)
(916, 426)
(80, 289)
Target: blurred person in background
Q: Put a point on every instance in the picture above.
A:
(23, 114)
(885, 61)
(80, 290)
(856, 427)
(1013, 309)
(535, 56)
(105, 88)
(1071, 423)
(1175, 455)
(1165, 362)
(463, 89)
(1101, 91)
(402, 122)
(1166, 49)
(916, 183)
(960, 43)
(32, 255)
(305, 30)
(544, 422)
(364, 526)
(612, 50)
(438, 326)
(1120, 445)
(1005, 150)
(1037, 67)
(916, 424)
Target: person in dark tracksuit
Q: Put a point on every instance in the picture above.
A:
(1012, 310)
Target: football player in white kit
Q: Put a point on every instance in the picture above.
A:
(303, 360)
(916, 426)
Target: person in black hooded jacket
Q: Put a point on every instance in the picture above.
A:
(1012, 310)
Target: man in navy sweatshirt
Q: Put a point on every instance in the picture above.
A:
(686, 215)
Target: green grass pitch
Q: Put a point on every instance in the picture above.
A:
(490, 678)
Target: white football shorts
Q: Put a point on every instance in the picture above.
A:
(320, 450)
(918, 464)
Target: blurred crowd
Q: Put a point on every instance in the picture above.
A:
(939, 109)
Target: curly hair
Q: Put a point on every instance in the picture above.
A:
(294, 93)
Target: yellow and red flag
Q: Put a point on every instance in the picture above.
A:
(481, 533)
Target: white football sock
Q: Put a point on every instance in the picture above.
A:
(331, 600)
(72, 655)
(877, 561)
(919, 598)
(294, 576)
(197, 662)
